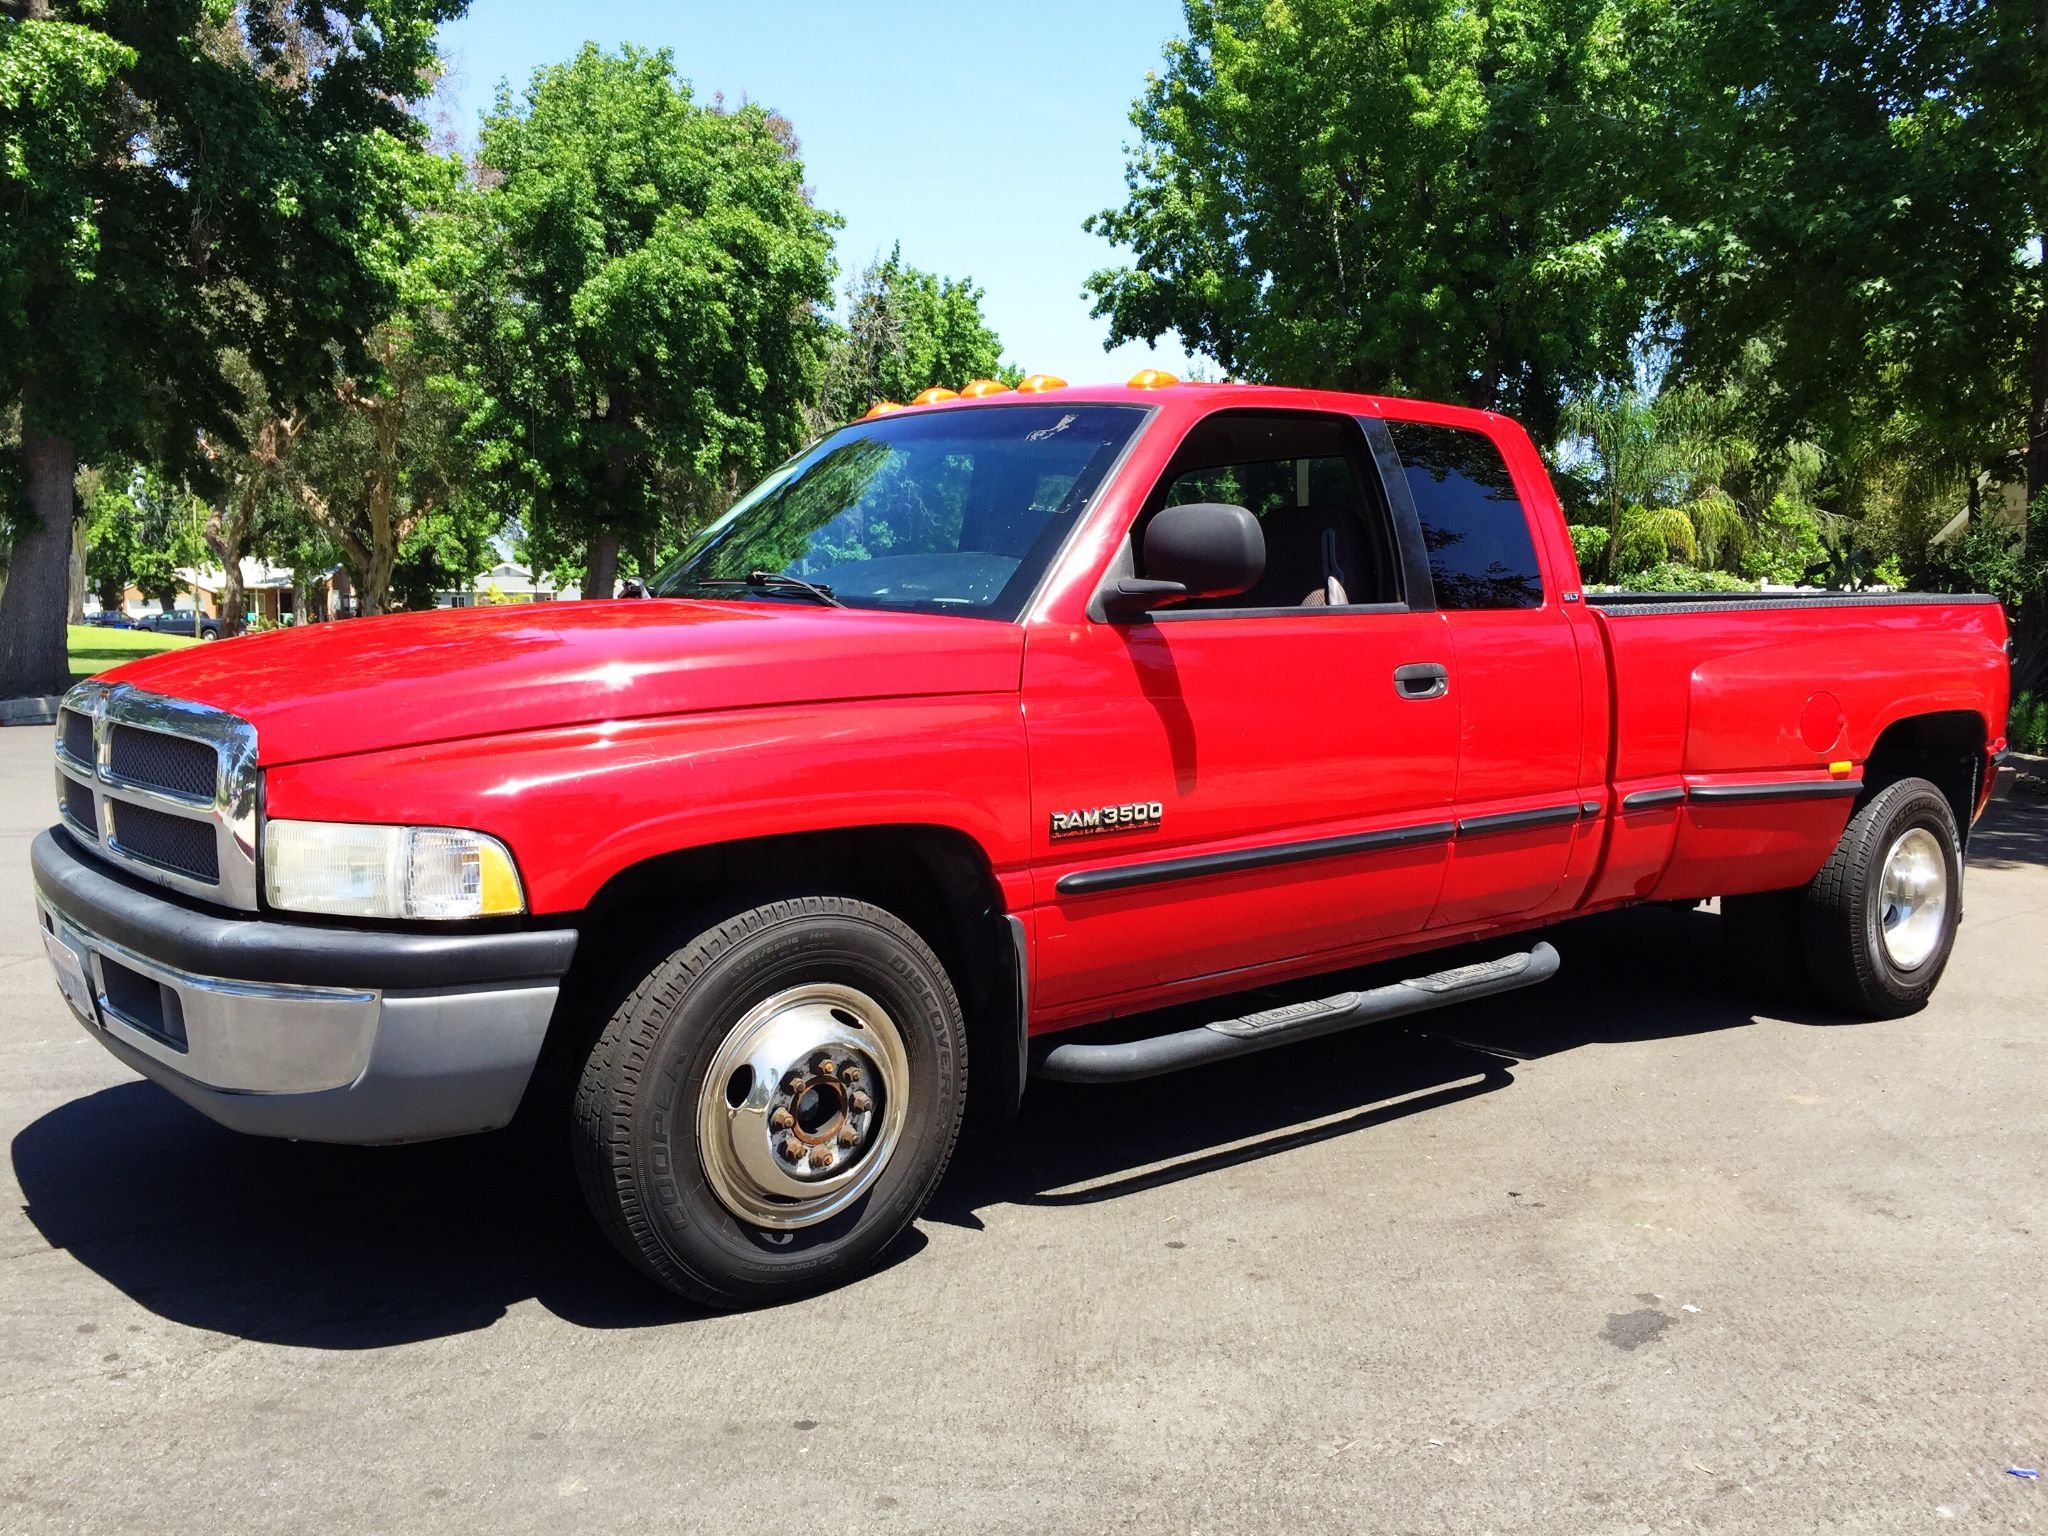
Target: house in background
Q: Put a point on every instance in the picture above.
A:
(270, 593)
(506, 582)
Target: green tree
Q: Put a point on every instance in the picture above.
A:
(253, 475)
(1414, 195)
(1616, 429)
(655, 292)
(906, 329)
(1863, 188)
(388, 448)
(181, 179)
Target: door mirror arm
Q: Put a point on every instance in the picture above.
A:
(1133, 596)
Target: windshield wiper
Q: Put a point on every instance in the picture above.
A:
(776, 581)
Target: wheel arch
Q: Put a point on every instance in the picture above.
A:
(1945, 747)
(936, 878)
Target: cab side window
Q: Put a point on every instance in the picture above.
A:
(1328, 542)
(1473, 525)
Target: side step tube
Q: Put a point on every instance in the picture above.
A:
(1121, 1062)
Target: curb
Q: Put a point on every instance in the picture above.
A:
(33, 710)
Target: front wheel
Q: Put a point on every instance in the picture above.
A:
(774, 1103)
(1880, 918)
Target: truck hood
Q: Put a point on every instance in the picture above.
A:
(367, 685)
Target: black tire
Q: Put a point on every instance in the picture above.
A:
(635, 1138)
(1843, 913)
(1760, 936)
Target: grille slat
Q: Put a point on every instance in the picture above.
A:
(78, 806)
(77, 736)
(177, 842)
(177, 765)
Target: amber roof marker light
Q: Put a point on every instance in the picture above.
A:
(934, 395)
(981, 387)
(1039, 383)
(1151, 378)
(881, 408)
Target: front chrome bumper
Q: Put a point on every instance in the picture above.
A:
(299, 1030)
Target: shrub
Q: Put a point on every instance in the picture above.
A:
(2027, 726)
(1588, 545)
(1674, 576)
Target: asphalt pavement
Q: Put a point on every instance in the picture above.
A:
(1619, 1254)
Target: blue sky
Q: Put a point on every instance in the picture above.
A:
(979, 134)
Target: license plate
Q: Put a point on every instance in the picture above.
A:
(71, 978)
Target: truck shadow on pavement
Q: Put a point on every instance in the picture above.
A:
(359, 1248)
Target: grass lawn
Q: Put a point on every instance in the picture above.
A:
(94, 650)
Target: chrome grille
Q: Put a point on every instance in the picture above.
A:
(176, 765)
(181, 844)
(167, 788)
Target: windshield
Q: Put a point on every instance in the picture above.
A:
(947, 512)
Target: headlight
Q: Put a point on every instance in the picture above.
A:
(352, 870)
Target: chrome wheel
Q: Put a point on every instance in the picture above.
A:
(802, 1105)
(1913, 898)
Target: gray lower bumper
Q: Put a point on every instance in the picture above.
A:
(344, 1059)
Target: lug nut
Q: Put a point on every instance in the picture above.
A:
(853, 1074)
(848, 1135)
(782, 1120)
(828, 1067)
(793, 1150)
(821, 1157)
(861, 1102)
(793, 1083)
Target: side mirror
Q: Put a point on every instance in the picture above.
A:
(1203, 549)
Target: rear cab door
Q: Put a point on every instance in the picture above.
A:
(1513, 614)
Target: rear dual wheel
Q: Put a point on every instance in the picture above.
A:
(774, 1103)
(1872, 932)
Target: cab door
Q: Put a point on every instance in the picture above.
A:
(1520, 707)
(1228, 787)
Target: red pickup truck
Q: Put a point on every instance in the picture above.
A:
(978, 723)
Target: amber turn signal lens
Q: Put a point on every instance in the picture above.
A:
(934, 395)
(1151, 378)
(881, 408)
(982, 387)
(1038, 383)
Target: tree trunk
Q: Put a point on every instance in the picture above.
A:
(601, 567)
(602, 574)
(2030, 658)
(373, 582)
(223, 536)
(77, 593)
(34, 657)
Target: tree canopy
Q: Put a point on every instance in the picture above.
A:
(184, 179)
(1403, 195)
(657, 280)
(905, 330)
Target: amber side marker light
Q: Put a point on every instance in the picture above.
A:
(882, 408)
(982, 387)
(934, 395)
(1840, 768)
(1039, 383)
(1151, 378)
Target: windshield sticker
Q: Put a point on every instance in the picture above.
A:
(1043, 433)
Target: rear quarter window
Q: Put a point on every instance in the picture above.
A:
(1473, 524)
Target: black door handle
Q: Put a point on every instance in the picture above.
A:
(1422, 680)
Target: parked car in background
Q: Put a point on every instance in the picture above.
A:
(975, 725)
(179, 622)
(109, 618)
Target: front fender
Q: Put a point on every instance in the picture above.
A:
(577, 805)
